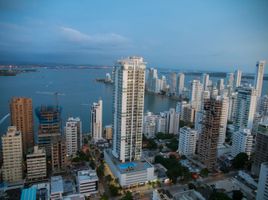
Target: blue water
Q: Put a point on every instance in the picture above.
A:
(124, 166)
(78, 88)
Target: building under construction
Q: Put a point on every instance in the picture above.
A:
(49, 125)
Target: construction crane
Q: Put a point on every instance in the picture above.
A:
(56, 94)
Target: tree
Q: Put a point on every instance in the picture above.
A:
(104, 197)
(114, 190)
(173, 144)
(100, 170)
(237, 195)
(204, 172)
(240, 160)
(108, 178)
(128, 196)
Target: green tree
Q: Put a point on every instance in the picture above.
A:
(237, 195)
(173, 144)
(114, 190)
(100, 170)
(104, 197)
(204, 172)
(240, 160)
(128, 196)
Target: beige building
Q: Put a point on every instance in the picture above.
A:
(21, 111)
(12, 155)
(108, 132)
(36, 164)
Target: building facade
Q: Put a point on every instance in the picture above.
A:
(36, 164)
(96, 121)
(262, 192)
(259, 77)
(208, 138)
(187, 141)
(87, 182)
(12, 151)
(73, 135)
(21, 114)
(58, 154)
(129, 83)
(242, 142)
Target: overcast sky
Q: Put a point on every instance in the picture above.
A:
(219, 35)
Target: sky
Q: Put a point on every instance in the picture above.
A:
(218, 35)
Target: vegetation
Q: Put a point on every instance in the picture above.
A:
(164, 136)
(151, 144)
(81, 156)
(240, 160)
(100, 170)
(173, 144)
(204, 172)
(128, 196)
(104, 197)
(219, 196)
(114, 190)
(237, 195)
(174, 169)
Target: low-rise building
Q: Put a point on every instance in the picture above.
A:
(56, 185)
(87, 182)
(36, 164)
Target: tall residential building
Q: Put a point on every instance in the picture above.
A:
(161, 122)
(108, 132)
(261, 148)
(245, 108)
(21, 111)
(205, 81)
(149, 125)
(73, 135)
(180, 83)
(173, 120)
(12, 155)
(242, 142)
(49, 126)
(223, 122)
(196, 94)
(151, 80)
(259, 77)
(187, 141)
(238, 76)
(36, 164)
(220, 85)
(208, 138)
(124, 160)
(128, 107)
(263, 108)
(262, 192)
(96, 121)
(173, 83)
(230, 80)
(58, 154)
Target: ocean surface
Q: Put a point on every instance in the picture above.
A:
(78, 89)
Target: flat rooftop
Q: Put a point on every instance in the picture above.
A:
(128, 167)
(90, 175)
(28, 194)
(56, 184)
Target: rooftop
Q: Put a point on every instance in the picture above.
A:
(87, 175)
(56, 184)
(28, 194)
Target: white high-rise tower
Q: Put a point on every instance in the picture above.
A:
(238, 76)
(180, 83)
(96, 121)
(259, 77)
(129, 83)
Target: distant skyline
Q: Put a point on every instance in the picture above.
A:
(189, 34)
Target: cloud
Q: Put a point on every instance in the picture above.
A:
(109, 39)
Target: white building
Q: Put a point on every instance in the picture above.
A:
(262, 193)
(230, 80)
(149, 125)
(242, 142)
(205, 81)
(96, 121)
(12, 155)
(73, 134)
(87, 182)
(196, 94)
(220, 85)
(223, 122)
(161, 122)
(180, 83)
(56, 188)
(259, 77)
(36, 164)
(238, 76)
(245, 107)
(128, 107)
(173, 120)
(187, 141)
